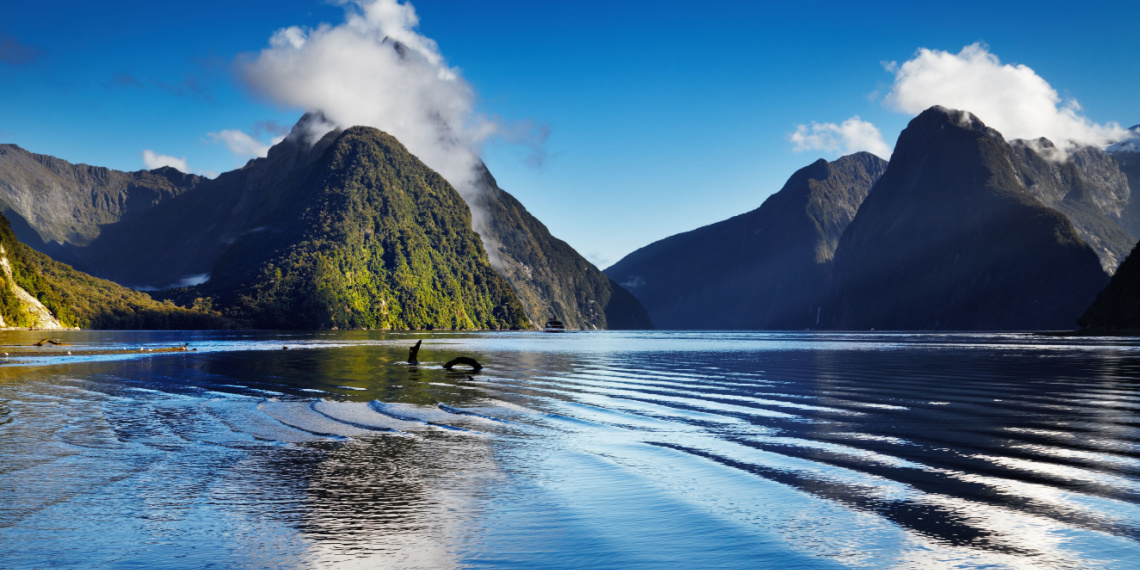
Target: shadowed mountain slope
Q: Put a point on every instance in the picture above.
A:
(550, 277)
(1117, 307)
(767, 269)
(951, 238)
(1089, 187)
(52, 204)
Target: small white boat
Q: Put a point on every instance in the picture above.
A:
(554, 325)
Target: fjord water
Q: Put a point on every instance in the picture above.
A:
(627, 450)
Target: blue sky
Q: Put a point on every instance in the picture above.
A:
(662, 116)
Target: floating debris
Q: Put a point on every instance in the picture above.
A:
(474, 364)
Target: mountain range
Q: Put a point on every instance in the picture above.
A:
(961, 230)
(351, 231)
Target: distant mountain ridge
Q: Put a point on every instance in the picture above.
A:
(1073, 202)
(52, 203)
(180, 238)
(767, 269)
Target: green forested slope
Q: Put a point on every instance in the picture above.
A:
(369, 237)
(76, 299)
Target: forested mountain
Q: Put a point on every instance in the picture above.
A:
(188, 230)
(363, 235)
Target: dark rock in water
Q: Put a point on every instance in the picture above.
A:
(465, 361)
(767, 269)
(413, 352)
(950, 238)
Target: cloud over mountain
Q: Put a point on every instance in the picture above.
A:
(1013, 99)
(240, 143)
(1010, 98)
(153, 160)
(376, 69)
(852, 136)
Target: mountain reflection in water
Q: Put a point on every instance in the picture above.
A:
(575, 450)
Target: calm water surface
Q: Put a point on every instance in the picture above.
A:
(623, 450)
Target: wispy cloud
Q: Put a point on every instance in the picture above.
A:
(15, 52)
(153, 160)
(124, 81)
(196, 84)
(1013, 99)
(272, 128)
(853, 135)
(240, 143)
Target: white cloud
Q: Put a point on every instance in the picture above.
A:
(1010, 98)
(376, 69)
(853, 135)
(153, 161)
(241, 144)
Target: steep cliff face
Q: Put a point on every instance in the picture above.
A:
(1089, 187)
(951, 238)
(551, 279)
(767, 269)
(22, 309)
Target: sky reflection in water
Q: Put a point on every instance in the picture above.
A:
(574, 450)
